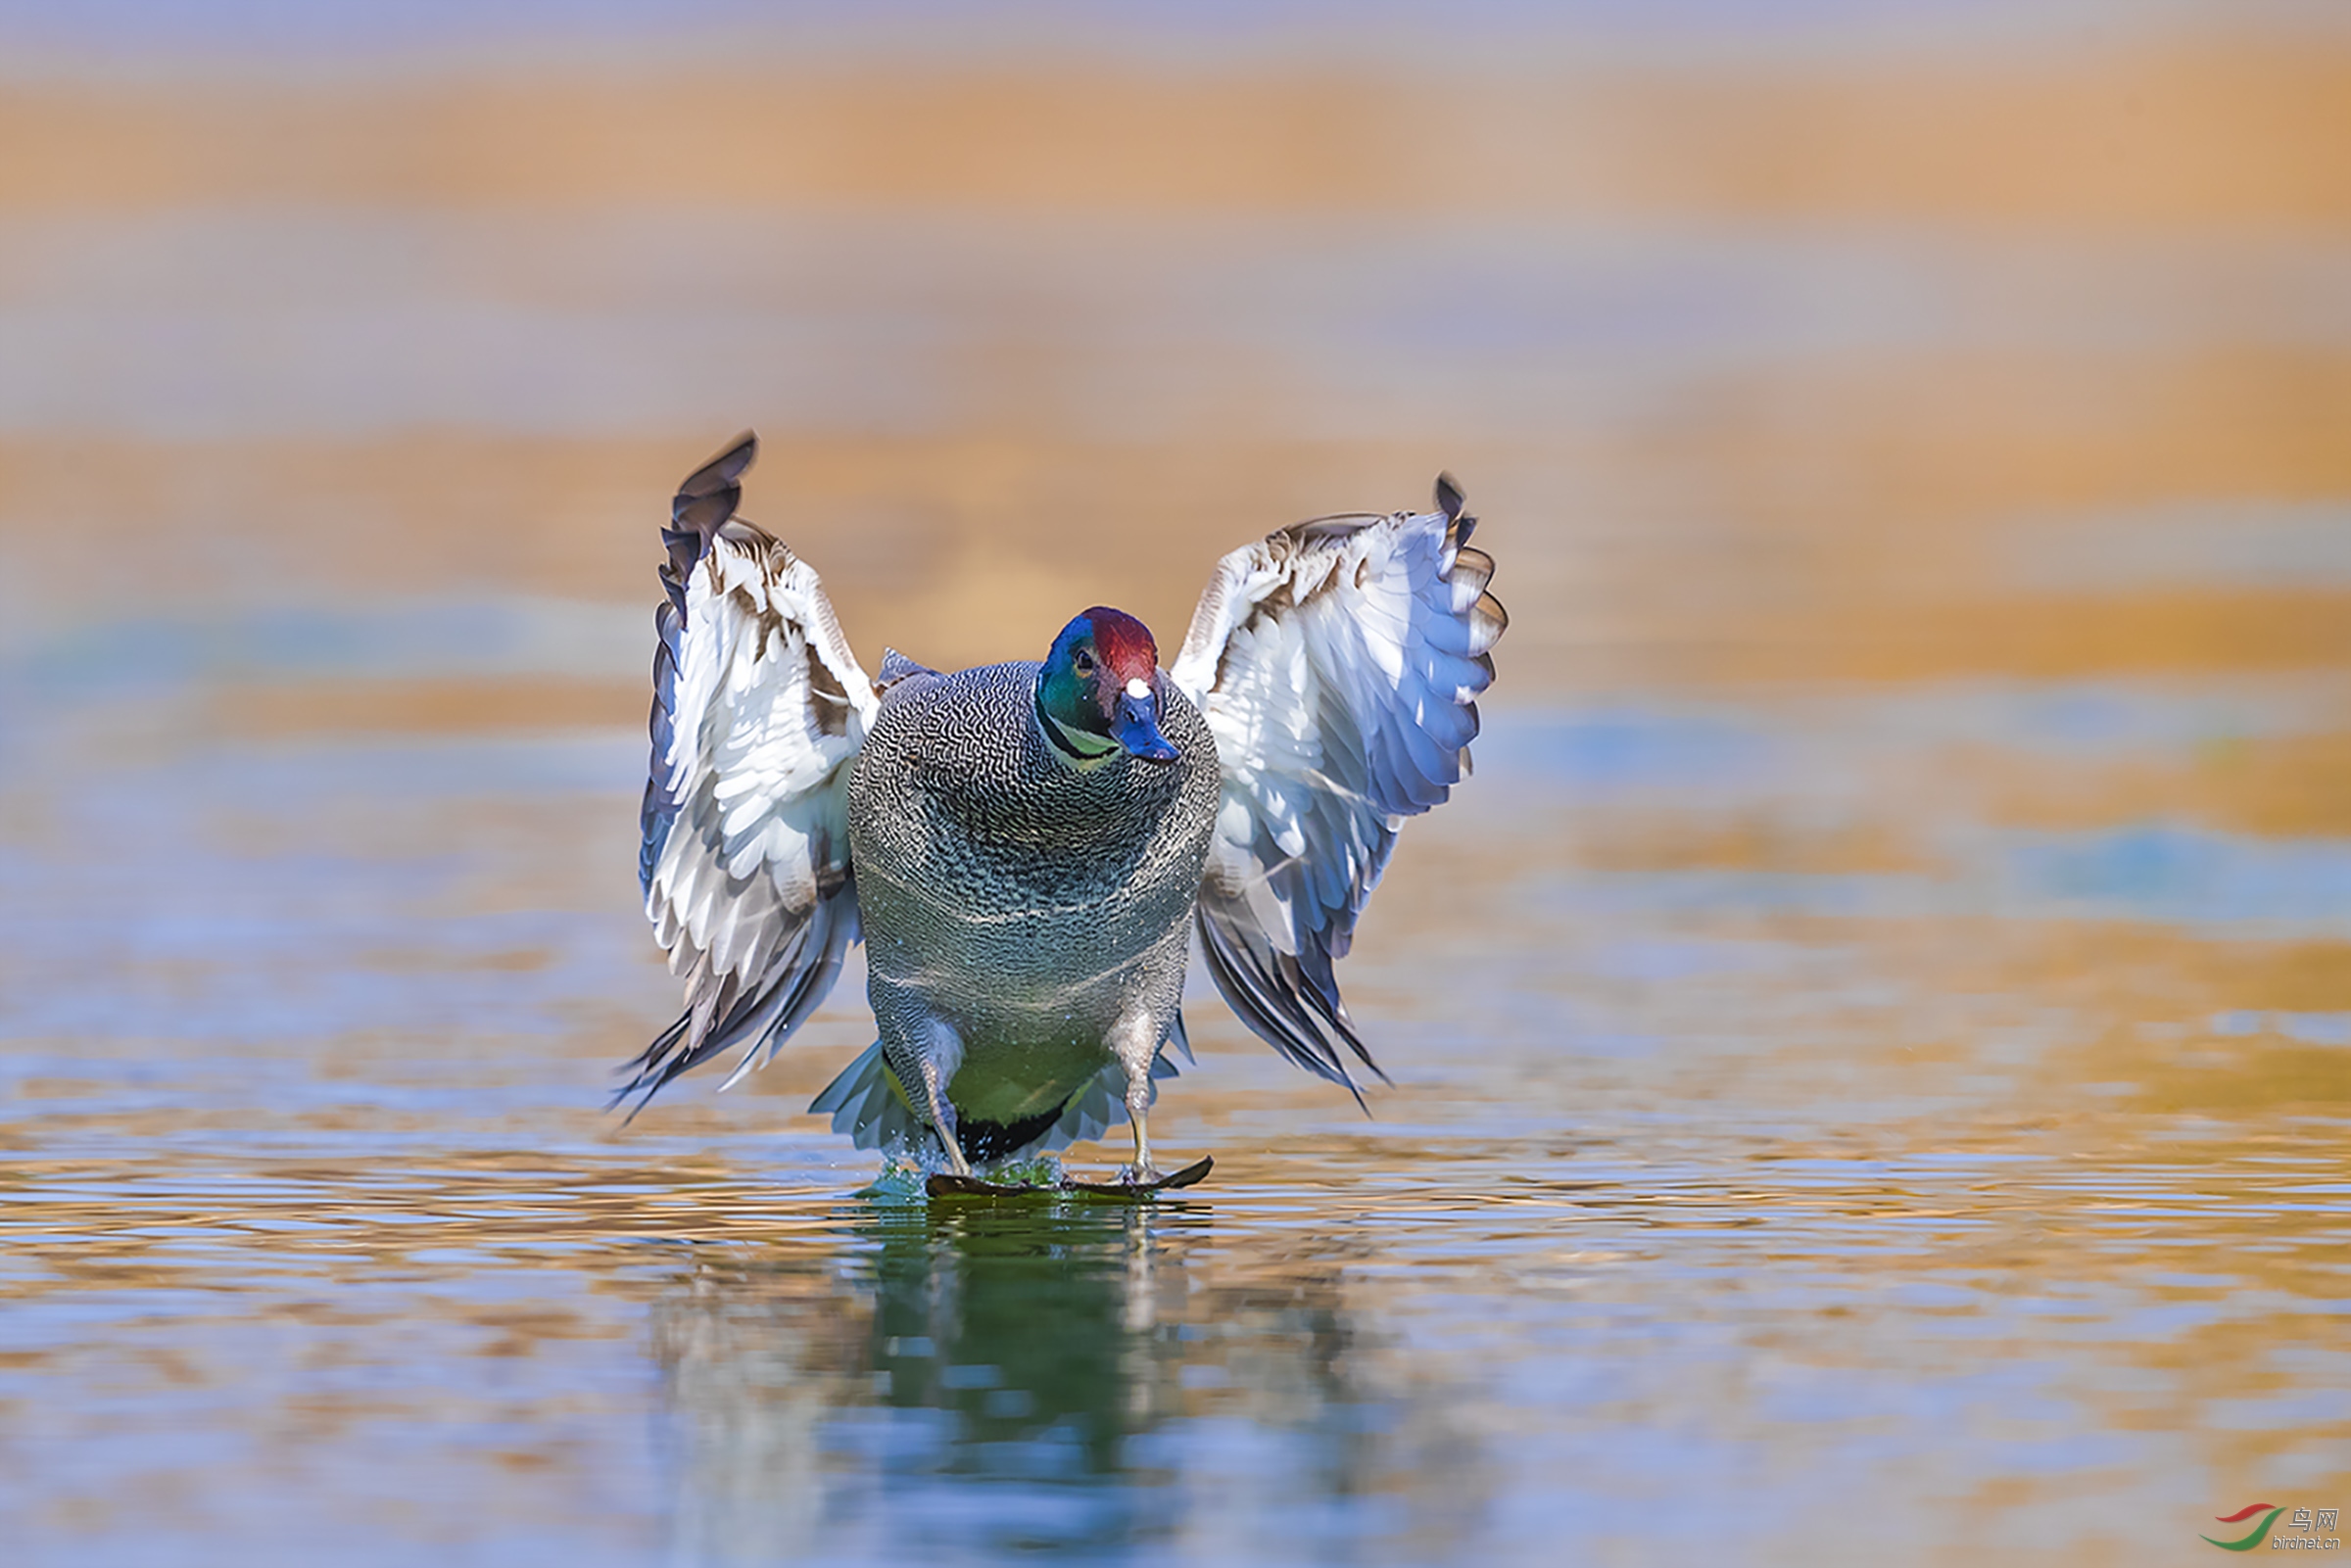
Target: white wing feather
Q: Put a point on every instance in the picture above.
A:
(1338, 663)
(759, 709)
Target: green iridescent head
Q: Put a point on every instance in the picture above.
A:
(1098, 691)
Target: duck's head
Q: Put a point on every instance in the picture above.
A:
(1099, 688)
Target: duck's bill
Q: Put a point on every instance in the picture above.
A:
(1135, 726)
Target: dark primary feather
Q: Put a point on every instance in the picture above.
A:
(703, 504)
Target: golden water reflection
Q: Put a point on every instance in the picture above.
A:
(863, 1376)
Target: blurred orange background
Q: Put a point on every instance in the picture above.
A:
(1779, 354)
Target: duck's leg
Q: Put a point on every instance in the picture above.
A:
(942, 1123)
(1136, 1042)
(926, 1070)
(1142, 1172)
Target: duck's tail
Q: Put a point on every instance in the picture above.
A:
(868, 1104)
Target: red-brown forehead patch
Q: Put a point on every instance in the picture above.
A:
(1124, 644)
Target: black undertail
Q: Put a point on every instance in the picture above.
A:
(983, 1141)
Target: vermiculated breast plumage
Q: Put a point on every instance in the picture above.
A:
(1026, 902)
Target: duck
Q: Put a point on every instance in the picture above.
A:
(1029, 849)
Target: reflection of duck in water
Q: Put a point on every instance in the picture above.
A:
(1022, 845)
(1029, 1326)
(984, 1373)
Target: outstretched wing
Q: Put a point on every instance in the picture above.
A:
(758, 710)
(1338, 664)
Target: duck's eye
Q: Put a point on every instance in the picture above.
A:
(1082, 662)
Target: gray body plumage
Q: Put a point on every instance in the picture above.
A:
(1024, 912)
